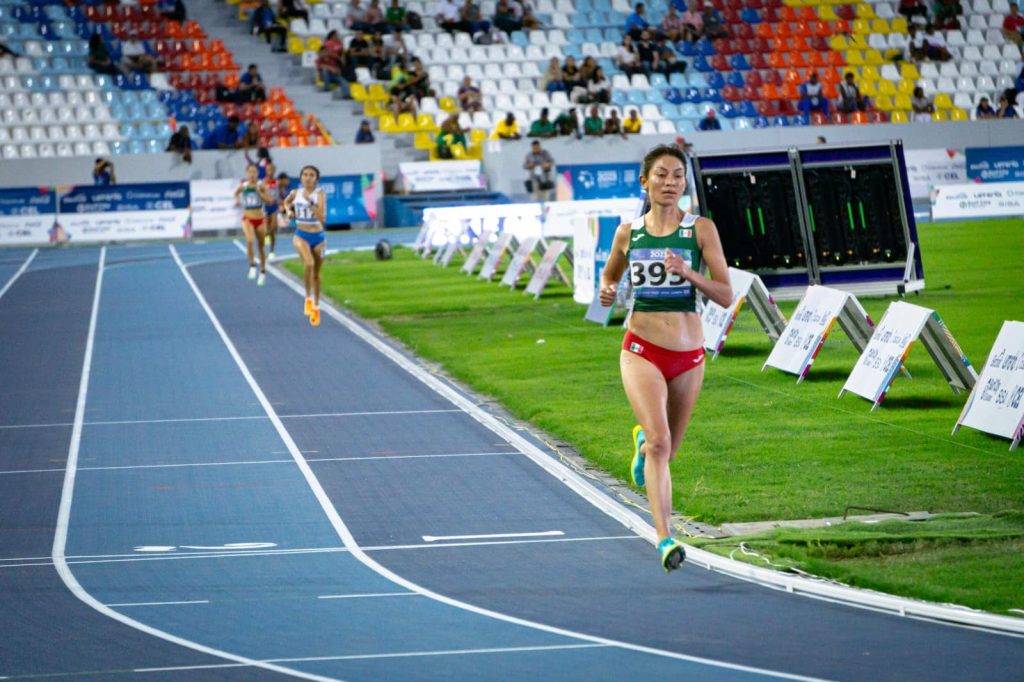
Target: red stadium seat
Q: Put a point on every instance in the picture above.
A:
(754, 79)
(758, 61)
(749, 93)
(719, 63)
(819, 119)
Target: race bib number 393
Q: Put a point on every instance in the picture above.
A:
(651, 279)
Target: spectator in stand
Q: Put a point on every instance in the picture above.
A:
(672, 25)
(1013, 25)
(419, 80)
(181, 143)
(935, 45)
(1019, 86)
(542, 127)
(633, 123)
(541, 167)
(472, 20)
(913, 8)
(626, 58)
(529, 19)
(361, 53)
(921, 105)
(506, 129)
(355, 16)
(103, 173)
(330, 61)
(450, 134)
(812, 96)
(1006, 109)
(395, 16)
(446, 13)
(647, 57)
(176, 11)
(985, 110)
(916, 46)
(251, 87)
(599, 88)
(262, 21)
(850, 99)
(613, 124)
(587, 69)
(636, 22)
(365, 134)
(135, 56)
(229, 135)
(399, 70)
(292, 9)
(713, 27)
(593, 124)
(820, 139)
(469, 95)
(571, 77)
(668, 61)
(374, 17)
(551, 79)
(403, 99)
(693, 22)
(710, 121)
(945, 14)
(505, 17)
(393, 47)
(99, 56)
(567, 123)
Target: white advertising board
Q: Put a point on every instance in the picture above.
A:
(886, 350)
(978, 200)
(548, 264)
(213, 205)
(811, 323)
(125, 212)
(519, 262)
(477, 253)
(717, 321)
(495, 255)
(441, 176)
(927, 168)
(996, 404)
(28, 217)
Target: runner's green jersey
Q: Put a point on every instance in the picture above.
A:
(655, 289)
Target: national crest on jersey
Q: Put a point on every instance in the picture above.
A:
(655, 289)
(251, 197)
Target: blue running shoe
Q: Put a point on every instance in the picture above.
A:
(672, 554)
(637, 468)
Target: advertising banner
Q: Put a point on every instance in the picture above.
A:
(927, 168)
(350, 198)
(600, 181)
(441, 176)
(591, 245)
(996, 404)
(213, 205)
(978, 200)
(28, 217)
(995, 164)
(125, 212)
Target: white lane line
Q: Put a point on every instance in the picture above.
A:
(346, 535)
(35, 426)
(446, 652)
(17, 273)
(265, 461)
(162, 603)
(368, 595)
(365, 414)
(67, 494)
(491, 536)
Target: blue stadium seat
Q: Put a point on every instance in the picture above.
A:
(701, 64)
(711, 95)
(780, 122)
(674, 95)
(690, 111)
(705, 47)
(728, 110)
(693, 95)
(762, 122)
(747, 109)
(654, 96)
(750, 15)
(739, 62)
(716, 80)
(697, 79)
(677, 80)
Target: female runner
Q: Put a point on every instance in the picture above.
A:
(662, 358)
(270, 181)
(308, 205)
(252, 196)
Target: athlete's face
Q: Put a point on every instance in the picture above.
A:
(251, 174)
(308, 179)
(666, 181)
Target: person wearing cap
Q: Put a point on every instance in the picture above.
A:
(540, 165)
(365, 134)
(709, 122)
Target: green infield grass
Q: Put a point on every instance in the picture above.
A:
(760, 447)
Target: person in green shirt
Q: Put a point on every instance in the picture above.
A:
(567, 123)
(395, 16)
(593, 124)
(542, 127)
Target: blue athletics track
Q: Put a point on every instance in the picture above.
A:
(196, 484)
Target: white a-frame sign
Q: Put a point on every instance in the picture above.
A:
(477, 253)
(902, 325)
(805, 334)
(996, 405)
(746, 287)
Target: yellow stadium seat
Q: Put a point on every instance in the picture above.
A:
(406, 123)
(883, 103)
(865, 11)
(873, 57)
(886, 87)
(854, 57)
(838, 42)
(901, 102)
(860, 26)
(906, 87)
(826, 13)
(899, 117)
(898, 25)
(423, 141)
(377, 93)
(371, 108)
(425, 122)
(459, 152)
(447, 104)
(879, 26)
(909, 70)
(868, 88)
(357, 91)
(943, 101)
(475, 152)
(477, 136)
(959, 115)
(388, 124)
(295, 45)
(940, 115)
(314, 44)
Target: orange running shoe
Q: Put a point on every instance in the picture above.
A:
(314, 317)
(309, 307)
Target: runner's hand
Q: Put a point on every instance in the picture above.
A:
(608, 294)
(675, 264)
